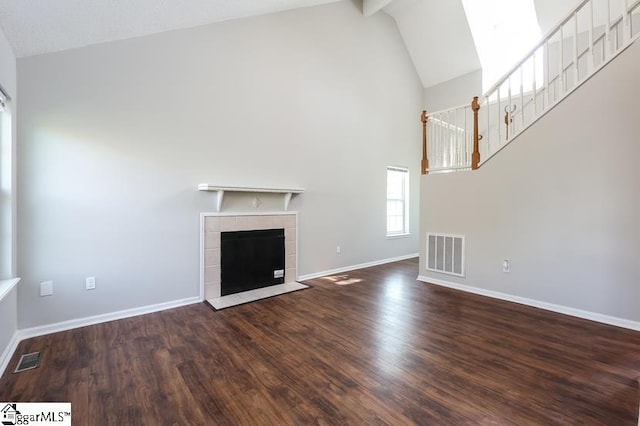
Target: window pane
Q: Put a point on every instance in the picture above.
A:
(397, 185)
(394, 208)
(503, 31)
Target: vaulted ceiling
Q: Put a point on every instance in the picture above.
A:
(435, 32)
(40, 26)
(437, 37)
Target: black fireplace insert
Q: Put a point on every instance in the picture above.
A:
(251, 260)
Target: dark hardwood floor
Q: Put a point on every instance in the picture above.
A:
(383, 349)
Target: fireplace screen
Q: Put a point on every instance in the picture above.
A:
(251, 259)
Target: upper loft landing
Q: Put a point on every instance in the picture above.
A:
(580, 45)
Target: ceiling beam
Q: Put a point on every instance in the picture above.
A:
(369, 7)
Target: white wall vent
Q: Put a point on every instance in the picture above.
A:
(445, 253)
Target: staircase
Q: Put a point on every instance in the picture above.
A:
(581, 44)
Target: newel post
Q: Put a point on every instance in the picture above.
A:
(475, 157)
(425, 161)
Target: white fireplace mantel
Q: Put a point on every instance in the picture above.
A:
(287, 193)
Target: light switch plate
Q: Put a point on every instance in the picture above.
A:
(46, 288)
(90, 283)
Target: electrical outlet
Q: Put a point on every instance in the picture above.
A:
(338, 250)
(90, 283)
(506, 266)
(46, 288)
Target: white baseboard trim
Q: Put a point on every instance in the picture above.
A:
(8, 352)
(592, 316)
(27, 333)
(354, 267)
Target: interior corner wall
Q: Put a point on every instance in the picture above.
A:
(453, 93)
(8, 304)
(114, 139)
(561, 203)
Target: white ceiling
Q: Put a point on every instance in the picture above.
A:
(437, 37)
(550, 12)
(435, 32)
(40, 26)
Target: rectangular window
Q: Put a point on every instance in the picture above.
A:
(5, 188)
(397, 201)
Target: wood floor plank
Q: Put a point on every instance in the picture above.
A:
(383, 349)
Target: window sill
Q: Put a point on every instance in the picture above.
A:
(6, 286)
(396, 236)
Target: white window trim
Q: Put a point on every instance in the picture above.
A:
(398, 236)
(7, 214)
(405, 233)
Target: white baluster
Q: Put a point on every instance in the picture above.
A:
(535, 87)
(626, 24)
(590, 62)
(487, 136)
(561, 62)
(546, 78)
(510, 109)
(464, 136)
(575, 49)
(607, 29)
(522, 96)
(499, 117)
(458, 144)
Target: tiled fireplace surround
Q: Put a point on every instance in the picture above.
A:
(212, 224)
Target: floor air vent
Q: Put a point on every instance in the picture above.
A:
(28, 362)
(445, 253)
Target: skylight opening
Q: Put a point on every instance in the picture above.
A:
(504, 31)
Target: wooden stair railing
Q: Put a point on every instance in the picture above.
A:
(454, 147)
(425, 159)
(475, 157)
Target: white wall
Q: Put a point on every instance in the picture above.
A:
(561, 202)
(8, 304)
(453, 93)
(114, 139)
